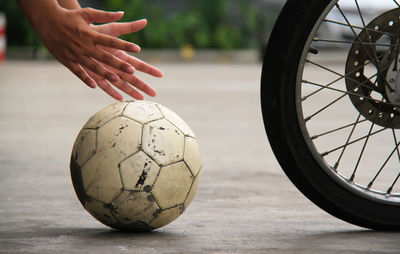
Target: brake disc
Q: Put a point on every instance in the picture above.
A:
(372, 70)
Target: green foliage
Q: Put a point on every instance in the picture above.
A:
(202, 24)
(220, 24)
(19, 32)
(227, 37)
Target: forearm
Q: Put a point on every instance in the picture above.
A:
(38, 11)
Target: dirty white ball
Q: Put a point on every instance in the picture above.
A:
(136, 166)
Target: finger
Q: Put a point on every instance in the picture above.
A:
(97, 16)
(139, 84)
(105, 86)
(113, 61)
(97, 68)
(136, 82)
(116, 29)
(81, 74)
(123, 86)
(139, 64)
(115, 43)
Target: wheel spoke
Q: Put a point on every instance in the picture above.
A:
(383, 165)
(390, 189)
(339, 128)
(365, 27)
(365, 144)
(395, 142)
(347, 141)
(337, 73)
(325, 107)
(353, 175)
(340, 78)
(353, 142)
(348, 93)
(393, 184)
(353, 42)
(358, 27)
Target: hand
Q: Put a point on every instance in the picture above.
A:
(89, 54)
(115, 30)
(68, 36)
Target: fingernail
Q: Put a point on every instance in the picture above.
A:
(129, 69)
(136, 48)
(112, 77)
(92, 84)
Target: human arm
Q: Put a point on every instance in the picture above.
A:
(83, 48)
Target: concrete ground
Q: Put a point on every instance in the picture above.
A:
(245, 204)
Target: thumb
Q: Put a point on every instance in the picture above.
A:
(116, 29)
(98, 16)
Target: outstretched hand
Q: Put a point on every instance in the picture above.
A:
(126, 81)
(94, 53)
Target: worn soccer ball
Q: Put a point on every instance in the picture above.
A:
(136, 166)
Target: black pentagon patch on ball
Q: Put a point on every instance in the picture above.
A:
(76, 176)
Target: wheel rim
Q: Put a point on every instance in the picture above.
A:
(348, 99)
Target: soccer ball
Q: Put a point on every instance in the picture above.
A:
(135, 166)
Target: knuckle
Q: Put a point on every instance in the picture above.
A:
(84, 32)
(87, 79)
(127, 47)
(123, 66)
(112, 43)
(107, 58)
(139, 65)
(87, 10)
(96, 68)
(80, 73)
(119, 54)
(117, 84)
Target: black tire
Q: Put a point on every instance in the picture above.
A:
(282, 61)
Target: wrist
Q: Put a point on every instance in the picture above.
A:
(39, 11)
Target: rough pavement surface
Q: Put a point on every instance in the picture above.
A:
(245, 204)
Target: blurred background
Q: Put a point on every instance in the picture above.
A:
(182, 29)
